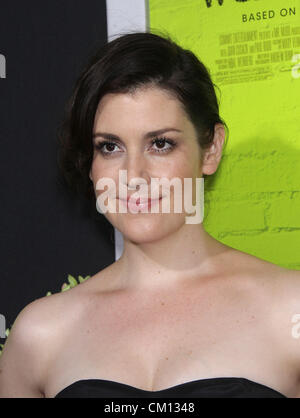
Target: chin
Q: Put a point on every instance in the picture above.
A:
(141, 230)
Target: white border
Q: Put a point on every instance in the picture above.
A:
(125, 16)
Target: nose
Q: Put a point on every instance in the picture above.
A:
(137, 170)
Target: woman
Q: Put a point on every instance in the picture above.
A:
(179, 313)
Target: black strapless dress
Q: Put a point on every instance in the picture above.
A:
(220, 387)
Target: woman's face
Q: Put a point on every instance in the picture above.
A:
(130, 117)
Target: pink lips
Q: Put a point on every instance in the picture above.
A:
(140, 202)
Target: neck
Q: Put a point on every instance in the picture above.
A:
(188, 253)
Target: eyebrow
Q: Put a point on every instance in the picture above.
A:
(150, 134)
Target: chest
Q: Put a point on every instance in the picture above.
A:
(166, 342)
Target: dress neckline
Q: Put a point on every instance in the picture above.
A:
(192, 382)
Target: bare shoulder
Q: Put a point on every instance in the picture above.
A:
(285, 319)
(261, 272)
(275, 291)
(30, 345)
(279, 282)
(41, 329)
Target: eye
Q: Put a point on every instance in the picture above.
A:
(109, 147)
(160, 144)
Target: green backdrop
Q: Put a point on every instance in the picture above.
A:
(252, 50)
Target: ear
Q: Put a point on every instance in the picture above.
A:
(213, 154)
(90, 175)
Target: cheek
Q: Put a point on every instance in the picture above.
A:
(181, 169)
(175, 167)
(104, 180)
(101, 170)
(186, 169)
